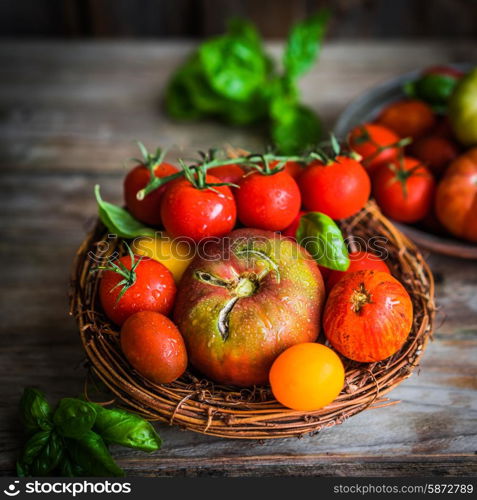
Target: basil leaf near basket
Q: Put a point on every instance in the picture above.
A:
(73, 439)
(231, 77)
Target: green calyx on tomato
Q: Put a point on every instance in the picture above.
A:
(323, 239)
(197, 176)
(128, 275)
(402, 175)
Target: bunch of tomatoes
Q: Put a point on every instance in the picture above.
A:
(420, 172)
(208, 199)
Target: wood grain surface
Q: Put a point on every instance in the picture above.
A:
(69, 113)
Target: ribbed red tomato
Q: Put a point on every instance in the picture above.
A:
(357, 261)
(268, 201)
(404, 190)
(375, 143)
(338, 189)
(147, 210)
(368, 316)
(198, 213)
(148, 285)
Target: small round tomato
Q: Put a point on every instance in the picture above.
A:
(307, 376)
(268, 201)
(290, 231)
(435, 152)
(338, 189)
(198, 213)
(292, 168)
(358, 261)
(147, 210)
(133, 283)
(154, 346)
(227, 173)
(404, 190)
(408, 118)
(374, 143)
(368, 316)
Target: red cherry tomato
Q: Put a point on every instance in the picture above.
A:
(358, 261)
(154, 346)
(435, 152)
(408, 118)
(374, 143)
(268, 201)
(339, 189)
(147, 210)
(152, 288)
(290, 231)
(198, 213)
(292, 168)
(227, 173)
(404, 190)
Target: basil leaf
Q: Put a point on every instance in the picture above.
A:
(74, 418)
(295, 129)
(69, 468)
(41, 455)
(304, 44)
(119, 221)
(124, 428)
(320, 235)
(35, 411)
(234, 64)
(92, 455)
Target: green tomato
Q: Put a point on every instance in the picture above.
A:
(463, 109)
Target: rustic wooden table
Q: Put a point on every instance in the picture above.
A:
(69, 113)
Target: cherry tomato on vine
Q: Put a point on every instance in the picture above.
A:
(146, 210)
(375, 143)
(292, 168)
(198, 211)
(268, 201)
(133, 283)
(227, 173)
(404, 190)
(338, 189)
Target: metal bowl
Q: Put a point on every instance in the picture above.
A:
(365, 109)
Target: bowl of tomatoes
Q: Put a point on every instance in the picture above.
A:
(415, 135)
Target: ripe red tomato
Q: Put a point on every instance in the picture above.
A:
(404, 190)
(358, 261)
(292, 168)
(456, 197)
(374, 143)
(227, 173)
(435, 152)
(147, 210)
(368, 316)
(408, 118)
(154, 346)
(198, 213)
(338, 189)
(149, 287)
(268, 201)
(290, 231)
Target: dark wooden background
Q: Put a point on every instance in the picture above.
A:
(455, 19)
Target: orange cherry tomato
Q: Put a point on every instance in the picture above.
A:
(307, 376)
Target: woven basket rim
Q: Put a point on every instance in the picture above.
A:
(197, 404)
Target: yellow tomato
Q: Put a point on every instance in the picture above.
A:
(175, 255)
(307, 376)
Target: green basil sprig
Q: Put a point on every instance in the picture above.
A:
(119, 221)
(321, 236)
(231, 77)
(73, 440)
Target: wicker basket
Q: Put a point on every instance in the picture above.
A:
(197, 404)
